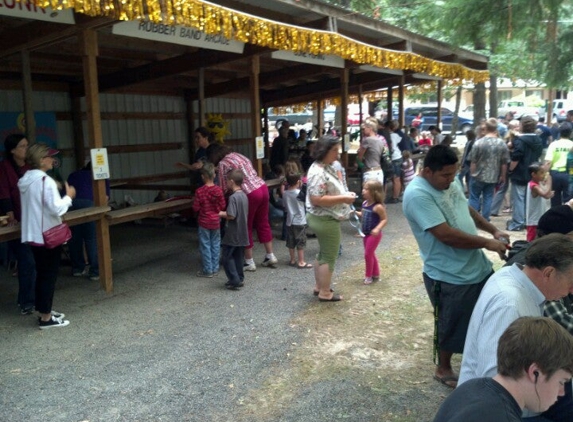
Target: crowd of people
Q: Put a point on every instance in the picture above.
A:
(480, 313)
(516, 357)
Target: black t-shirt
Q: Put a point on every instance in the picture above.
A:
(479, 400)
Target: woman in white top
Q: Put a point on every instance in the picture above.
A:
(42, 207)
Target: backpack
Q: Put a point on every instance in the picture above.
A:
(386, 164)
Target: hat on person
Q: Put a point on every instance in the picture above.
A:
(558, 219)
(51, 152)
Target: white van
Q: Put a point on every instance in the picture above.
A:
(560, 109)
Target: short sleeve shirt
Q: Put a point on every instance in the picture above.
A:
(236, 233)
(322, 180)
(557, 154)
(489, 154)
(374, 147)
(426, 207)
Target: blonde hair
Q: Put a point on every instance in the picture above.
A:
(376, 190)
(292, 166)
(35, 154)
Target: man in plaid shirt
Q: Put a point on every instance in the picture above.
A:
(558, 219)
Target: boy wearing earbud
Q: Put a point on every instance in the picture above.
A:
(534, 362)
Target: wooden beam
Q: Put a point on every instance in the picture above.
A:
(123, 149)
(267, 79)
(89, 47)
(170, 67)
(34, 35)
(344, 77)
(255, 107)
(72, 218)
(27, 97)
(134, 186)
(151, 178)
(154, 209)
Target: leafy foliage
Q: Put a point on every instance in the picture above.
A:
(526, 39)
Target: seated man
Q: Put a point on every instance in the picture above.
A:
(558, 219)
(513, 292)
(534, 361)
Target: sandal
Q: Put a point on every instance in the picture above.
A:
(316, 292)
(334, 298)
(292, 264)
(304, 266)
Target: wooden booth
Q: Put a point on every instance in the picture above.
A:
(137, 77)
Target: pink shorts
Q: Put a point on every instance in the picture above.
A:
(531, 233)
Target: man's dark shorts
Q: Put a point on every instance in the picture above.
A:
(397, 166)
(455, 306)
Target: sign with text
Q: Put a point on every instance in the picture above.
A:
(27, 9)
(182, 35)
(302, 57)
(260, 145)
(100, 164)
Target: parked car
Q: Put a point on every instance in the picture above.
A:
(468, 112)
(560, 109)
(518, 108)
(293, 118)
(430, 118)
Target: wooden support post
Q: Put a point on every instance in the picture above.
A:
(28, 106)
(344, 75)
(77, 124)
(88, 45)
(201, 99)
(401, 116)
(319, 118)
(256, 108)
(389, 105)
(440, 99)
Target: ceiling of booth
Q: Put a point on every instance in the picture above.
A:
(136, 65)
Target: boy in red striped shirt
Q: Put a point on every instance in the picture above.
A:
(209, 201)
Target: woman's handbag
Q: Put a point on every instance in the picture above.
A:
(57, 235)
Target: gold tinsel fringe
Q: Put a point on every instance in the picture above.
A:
(214, 20)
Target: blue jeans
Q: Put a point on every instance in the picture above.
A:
(26, 274)
(83, 234)
(517, 221)
(498, 198)
(560, 185)
(464, 174)
(481, 190)
(210, 247)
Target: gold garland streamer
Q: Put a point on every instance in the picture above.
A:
(214, 20)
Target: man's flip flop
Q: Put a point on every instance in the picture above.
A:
(305, 266)
(446, 380)
(334, 298)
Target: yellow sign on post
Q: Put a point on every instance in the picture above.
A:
(100, 164)
(260, 144)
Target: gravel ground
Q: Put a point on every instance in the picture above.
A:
(167, 346)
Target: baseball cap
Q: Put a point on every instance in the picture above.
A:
(51, 152)
(558, 219)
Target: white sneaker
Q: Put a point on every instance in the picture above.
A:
(53, 323)
(59, 315)
(270, 262)
(250, 267)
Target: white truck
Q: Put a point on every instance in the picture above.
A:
(518, 108)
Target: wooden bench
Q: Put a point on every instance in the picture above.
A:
(154, 209)
(72, 218)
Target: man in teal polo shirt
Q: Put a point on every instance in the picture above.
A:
(455, 267)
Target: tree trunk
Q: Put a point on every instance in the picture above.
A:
(479, 103)
(493, 95)
(456, 111)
